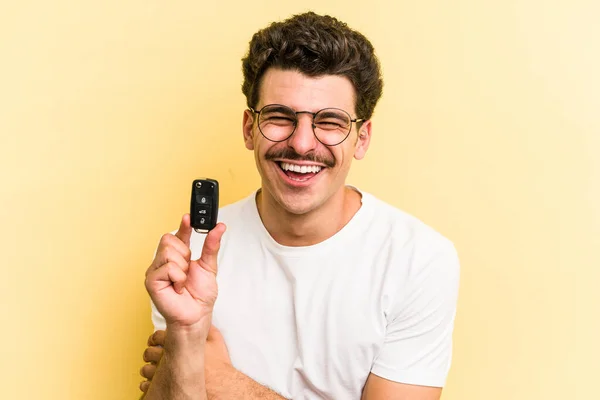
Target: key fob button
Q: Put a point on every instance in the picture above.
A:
(201, 220)
(203, 210)
(202, 199)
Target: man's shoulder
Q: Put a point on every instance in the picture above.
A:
(401, 226)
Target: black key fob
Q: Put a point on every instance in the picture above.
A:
(204, 206)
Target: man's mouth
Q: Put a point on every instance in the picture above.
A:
(299, 173)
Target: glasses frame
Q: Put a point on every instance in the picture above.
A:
(314, 114)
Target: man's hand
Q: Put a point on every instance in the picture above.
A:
(216, 355)
(184, 290)
(152, 356)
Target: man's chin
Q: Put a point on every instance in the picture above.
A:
(295, 203)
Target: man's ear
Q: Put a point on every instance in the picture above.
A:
(364, 139)
(247, 124)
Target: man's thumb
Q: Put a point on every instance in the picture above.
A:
(211, 247)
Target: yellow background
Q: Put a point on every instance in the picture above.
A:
(488, 130)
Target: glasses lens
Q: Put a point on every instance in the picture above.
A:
(277, 122)
(332, 126)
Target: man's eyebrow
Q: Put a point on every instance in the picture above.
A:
(280, 109)
(327, 113)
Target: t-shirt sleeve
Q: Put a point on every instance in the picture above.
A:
(159, 322)
(417, 348)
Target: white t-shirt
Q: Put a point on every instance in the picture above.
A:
(312, 322)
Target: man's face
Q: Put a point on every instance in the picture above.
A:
(297, 192)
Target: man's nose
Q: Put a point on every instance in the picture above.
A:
(303, 139)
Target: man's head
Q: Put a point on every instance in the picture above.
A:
(301, 66)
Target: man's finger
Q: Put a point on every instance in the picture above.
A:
(185, 230)
(147, 371)
(168, 274)
(211, 247)
(153, 354)
(174, 256)
(157, 338)
(144, 386)
(170, 247)
(173, 243)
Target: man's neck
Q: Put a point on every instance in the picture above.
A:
(314, 227)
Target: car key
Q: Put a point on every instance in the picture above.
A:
(204, 206)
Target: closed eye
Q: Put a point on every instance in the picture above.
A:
(330, 125)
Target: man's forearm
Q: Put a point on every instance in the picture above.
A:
(180, 374)
(228, 383)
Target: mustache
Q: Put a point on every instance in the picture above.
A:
(290, 154)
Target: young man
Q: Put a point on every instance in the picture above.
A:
(325, 292)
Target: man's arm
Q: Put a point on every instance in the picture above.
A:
(226, 382)
(223, 381)
(180, 373)
(378, 388)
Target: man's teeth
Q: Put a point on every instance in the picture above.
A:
(303, 169)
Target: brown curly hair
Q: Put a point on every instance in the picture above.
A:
(315, 45)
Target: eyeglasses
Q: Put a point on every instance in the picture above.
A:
(331, 126)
